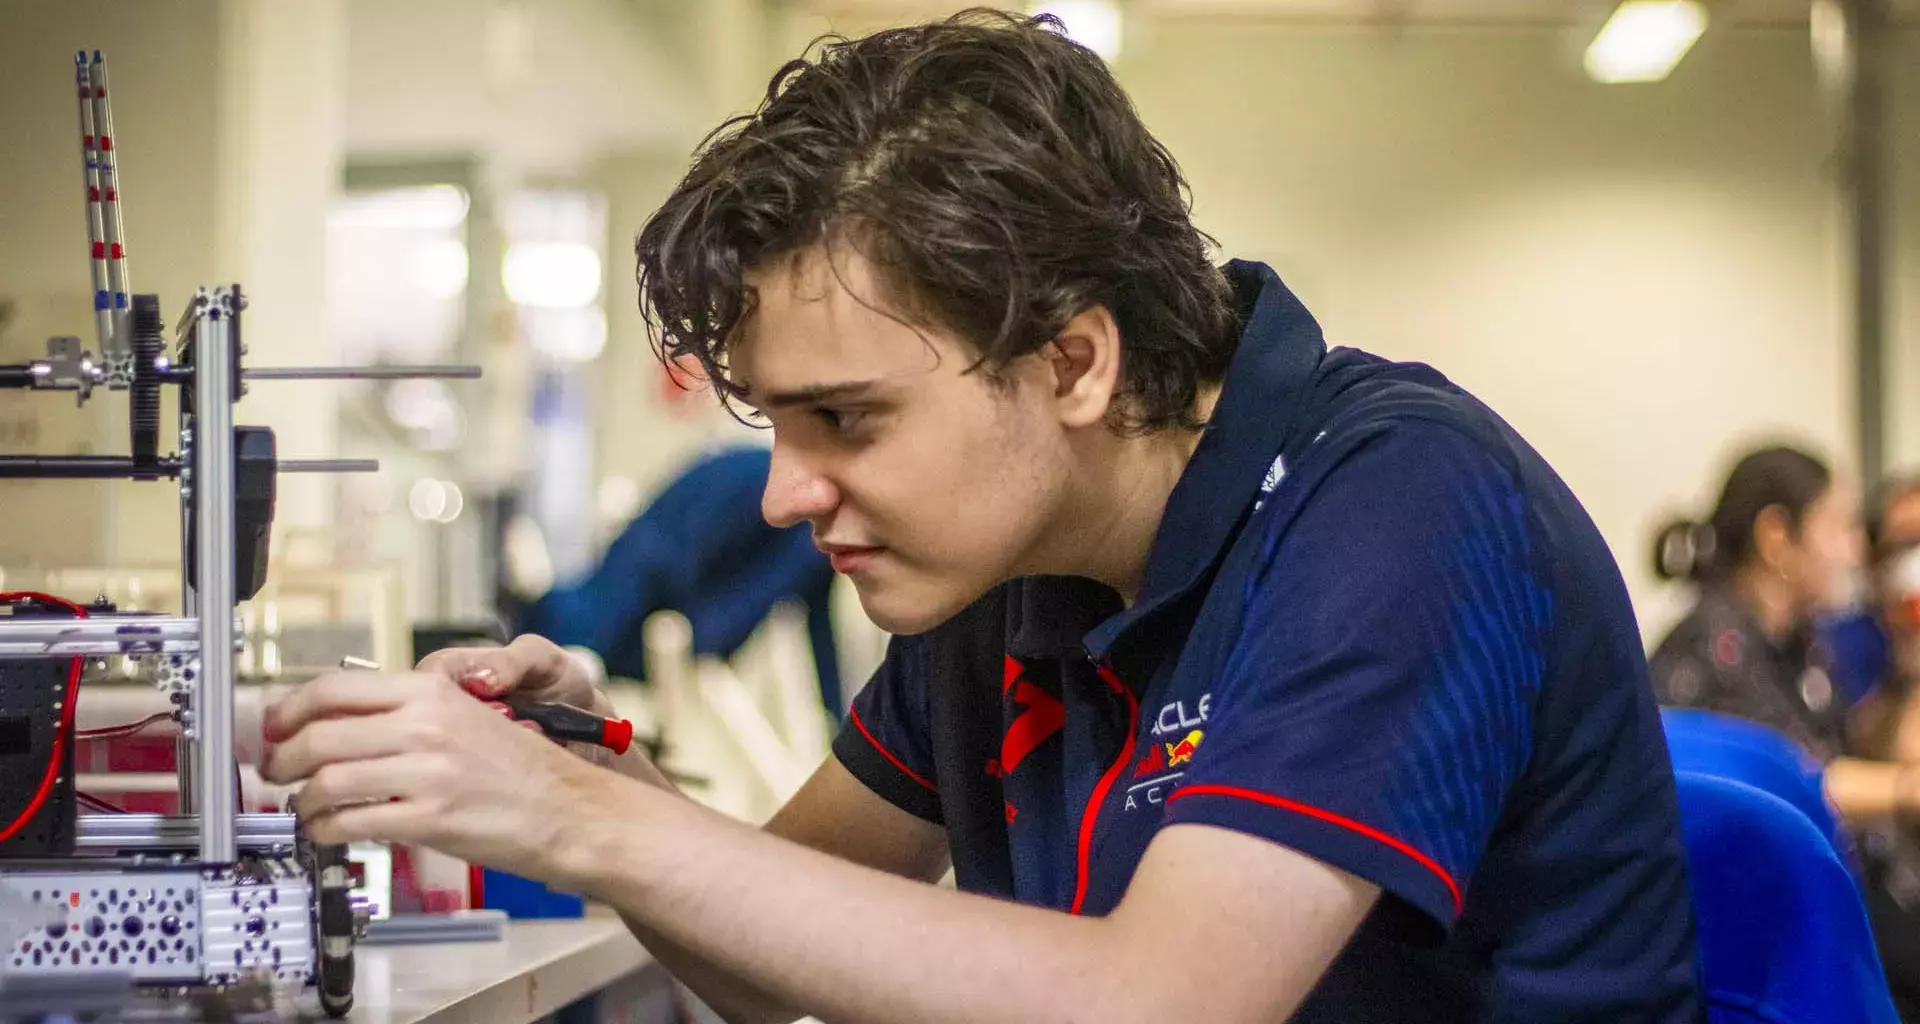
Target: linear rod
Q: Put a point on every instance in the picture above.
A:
(107, 159)
(449, 372)
(79, 467)
(327, 466)
(96, 233)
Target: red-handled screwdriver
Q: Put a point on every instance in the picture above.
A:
(566, 722)
(559, 721)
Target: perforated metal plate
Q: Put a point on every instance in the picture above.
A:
(31, 693)
(259, 923)
(185, 926)
(145, 924)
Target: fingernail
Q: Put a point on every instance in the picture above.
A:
(481, 683)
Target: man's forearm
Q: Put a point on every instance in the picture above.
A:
(845, 942)
(733, 998)
(839, 940)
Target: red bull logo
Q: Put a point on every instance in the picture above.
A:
(1182, 752)
(1155, 761)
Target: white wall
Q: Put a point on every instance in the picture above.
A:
(1639, 279)
(227, 138)
(542, 87)
(281, 115)
(163, 77)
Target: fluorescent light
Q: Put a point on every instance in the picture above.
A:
(1644, 39)
(567, 335)
(1094, 24)
(440, 268)
(555, 275)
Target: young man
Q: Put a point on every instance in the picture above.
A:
(1237, 679)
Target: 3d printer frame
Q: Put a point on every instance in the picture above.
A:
(97, 908)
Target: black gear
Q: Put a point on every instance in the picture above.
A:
(143, 419)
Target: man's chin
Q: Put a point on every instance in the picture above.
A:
(908, 611)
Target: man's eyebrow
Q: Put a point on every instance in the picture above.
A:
(806, 395)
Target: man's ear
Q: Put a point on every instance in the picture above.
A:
(1085, 360)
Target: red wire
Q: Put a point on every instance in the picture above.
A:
(114, 732)
(98, 804)
(66, 716)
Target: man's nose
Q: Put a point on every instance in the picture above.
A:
(796, 491)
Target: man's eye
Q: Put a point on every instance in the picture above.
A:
(839, 421)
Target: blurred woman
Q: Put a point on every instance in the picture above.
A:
(1783, 546)
(1782, 550)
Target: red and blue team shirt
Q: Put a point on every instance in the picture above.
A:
(1377, 629)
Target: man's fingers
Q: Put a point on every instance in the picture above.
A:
(396, 821)
(332, 740)
(344, 783)
(335, 694)
(482, 671)
(528, 663)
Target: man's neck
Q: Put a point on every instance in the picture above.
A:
(1113, 513)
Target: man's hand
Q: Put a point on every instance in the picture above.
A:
(531, 666)
(414, 758)
(535, 668)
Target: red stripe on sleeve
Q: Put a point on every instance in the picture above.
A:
(888, 754)
(1331, 818)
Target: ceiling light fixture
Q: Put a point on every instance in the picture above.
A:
(1644, 39)
(1094, 24)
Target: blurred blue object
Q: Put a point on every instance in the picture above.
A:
(526, 898)
(702, 549)
(1859, 652)
(1784, 937)
(1727, 747)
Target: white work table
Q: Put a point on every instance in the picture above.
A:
(534, 970)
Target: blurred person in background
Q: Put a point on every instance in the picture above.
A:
(1780, 557)
(1782, 548)
(1888, 729)
(1893, 543)
(1774, 638)
(700, 548)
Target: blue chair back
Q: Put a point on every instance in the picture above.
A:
(1726, 747)
(1784, 937)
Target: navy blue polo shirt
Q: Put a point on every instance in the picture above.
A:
(1375, 628)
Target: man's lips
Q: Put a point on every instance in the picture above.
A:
(849, 558)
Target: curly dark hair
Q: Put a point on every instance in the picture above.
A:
(994, 175)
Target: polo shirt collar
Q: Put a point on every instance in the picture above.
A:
(1263, 398)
